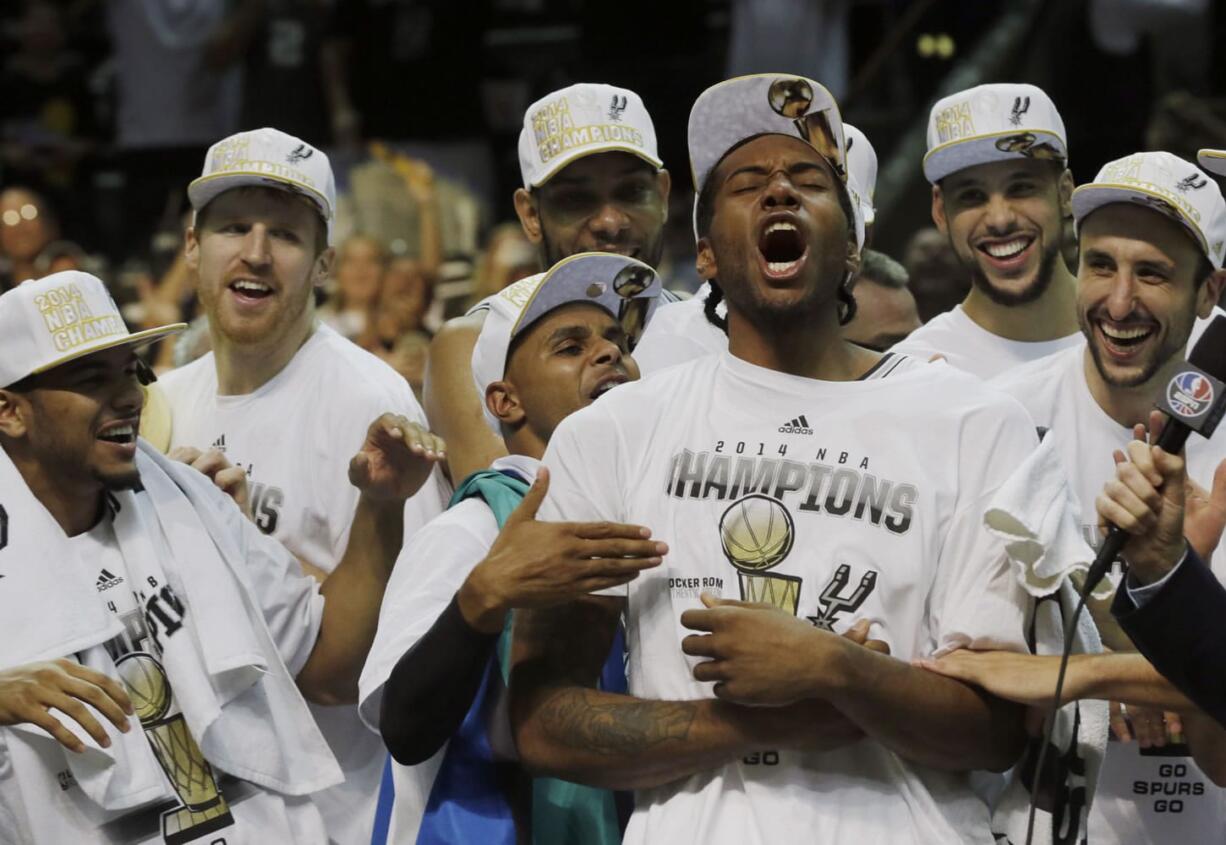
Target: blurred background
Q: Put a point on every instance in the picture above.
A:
(107, 108)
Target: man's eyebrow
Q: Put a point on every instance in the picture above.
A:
(569, 333)
(754, 169)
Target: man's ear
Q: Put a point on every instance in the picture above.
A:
(938, 210)
(1210, 293)
(664, 183)
(529, 215)
(191, 249)
(323, 267)
(13, 414)
(1064, 189)
(503, 402)
(853, 258)
(705, 263)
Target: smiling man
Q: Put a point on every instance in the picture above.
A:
(781, 472)
(157, 645)
(282, 395)
(593, 182)
(1151, 228)
(997, 160)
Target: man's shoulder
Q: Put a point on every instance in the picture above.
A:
(200, 376)
(1035, 383)
(641, 405)
(349, 374)
(943, 390)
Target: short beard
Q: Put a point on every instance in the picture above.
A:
(116, 482)
(1161, 357)
(1010, 299)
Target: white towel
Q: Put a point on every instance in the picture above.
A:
(1036, 514)
(237, 697)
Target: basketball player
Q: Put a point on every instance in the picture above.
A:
(546, 349)
(997, 161)
(781, 472)
(133, 587)
(683, 330)
(1151, 258)
(593, 182)
(282, 395)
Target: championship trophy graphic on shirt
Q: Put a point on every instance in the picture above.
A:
(757, 534)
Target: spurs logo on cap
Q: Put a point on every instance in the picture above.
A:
(1021, 105)
(1194, 181)
(617, 106)
(300, 153)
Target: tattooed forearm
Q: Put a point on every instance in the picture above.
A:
(581, 718)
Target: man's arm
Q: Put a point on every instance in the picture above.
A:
(763, 656)
(566, 728)
(453, 405)
(392, 465)
(530, 564)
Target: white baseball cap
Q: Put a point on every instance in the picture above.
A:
(733, 111)
(989, 123)
(862, 167)
(1167, 184)
(1213, 161)
(579, 121)
(267, 158)
(59, 318)
(599, 278)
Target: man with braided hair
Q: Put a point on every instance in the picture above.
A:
(780, 472)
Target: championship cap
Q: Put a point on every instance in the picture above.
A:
(267, 158)
(581, 120)
(731, 112)
(1167, 184)
(626, 288)
(989, 123)
(1213, 160)
(862, 166)
(58, 319)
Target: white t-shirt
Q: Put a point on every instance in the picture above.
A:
(1141, 797)
(840, 501)
(294, 436)
(679, 332)
(429, 571)
(970, 347)
(292, 609)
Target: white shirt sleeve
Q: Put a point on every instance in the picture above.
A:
(976, 600)
(430, 569)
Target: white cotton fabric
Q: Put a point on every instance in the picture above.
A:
(1056, 393)
(679, 332)
(249, 615)
(431, 568)
(941, 580)
(294, 436)
(969, 346)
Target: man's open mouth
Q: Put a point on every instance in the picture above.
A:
(1125, 337)
(250, 289)
(1006, 251)
(123, 434)
(783, 248)
(606, 384)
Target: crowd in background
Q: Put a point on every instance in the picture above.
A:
(109, 107)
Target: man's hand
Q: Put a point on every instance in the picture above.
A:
(1146, 500)
(760, 655)
(1022, 678)
(1150, 727)
(230, 479)
(395, 460)
(1204, 516)
(27, 694)
(537, 564)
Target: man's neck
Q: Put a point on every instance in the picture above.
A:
(245, 368)
(1050, 317)
(810, 348)
(75, 506)
(524, 441)
(1128, 406)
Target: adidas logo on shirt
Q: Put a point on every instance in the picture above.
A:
(106, 580)
(219, 444)
(799, 425)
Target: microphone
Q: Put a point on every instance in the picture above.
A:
(1193, 400)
